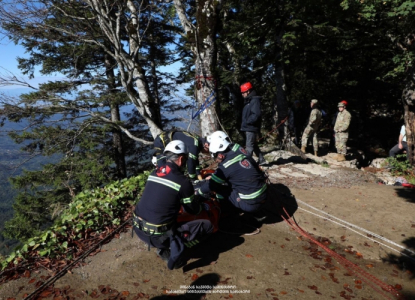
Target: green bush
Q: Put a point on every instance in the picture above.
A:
(90, 212)
(400, 166)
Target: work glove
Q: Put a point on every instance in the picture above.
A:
(198, 192)
(197, 183)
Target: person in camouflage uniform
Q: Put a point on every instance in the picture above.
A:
(341, 129)
(313, 125)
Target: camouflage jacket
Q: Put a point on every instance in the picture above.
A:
(342, 121)
(315, 118)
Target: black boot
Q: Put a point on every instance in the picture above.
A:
(164, 254)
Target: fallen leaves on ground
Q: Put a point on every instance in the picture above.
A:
(194, 277)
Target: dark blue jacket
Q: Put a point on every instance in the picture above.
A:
(163, 195)
(251, 114)
(241, 173)
(193, 143)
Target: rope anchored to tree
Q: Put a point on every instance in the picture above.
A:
(208, 102)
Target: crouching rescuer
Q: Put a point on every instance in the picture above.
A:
(155, 216)
(238, 177)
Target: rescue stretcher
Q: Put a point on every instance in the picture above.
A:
(211, 209)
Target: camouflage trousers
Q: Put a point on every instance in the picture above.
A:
(308, 133)
(341, 140)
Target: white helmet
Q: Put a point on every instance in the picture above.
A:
(218, 141)
(177, 147)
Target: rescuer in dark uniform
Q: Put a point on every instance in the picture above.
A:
(246, 188)
(194, 145)
(166, 190)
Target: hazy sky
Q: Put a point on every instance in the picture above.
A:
(9, 53)
(8, 64)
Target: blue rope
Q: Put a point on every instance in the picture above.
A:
(208, 102)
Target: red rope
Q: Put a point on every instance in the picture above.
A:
(205, 77)
(282, 122)
(377, 284)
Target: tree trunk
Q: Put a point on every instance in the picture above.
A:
(203, 45)
(280, 104)
(117, 140)
(155, 80)
(132, 74)
(408, 99)
(118, 145)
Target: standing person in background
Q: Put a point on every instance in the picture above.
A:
(341, 130)
(401, 146)
(251, 120)
(332, 145)
(313, 125)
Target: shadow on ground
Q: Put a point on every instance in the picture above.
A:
(292, 159)
(405, 261)
(233, 226)
(406, 193)
(280, 203)
(196, 289)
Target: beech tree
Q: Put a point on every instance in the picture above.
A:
(115, 27)
(78, 123)
(199, 22)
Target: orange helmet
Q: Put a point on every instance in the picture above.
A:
(246, 87)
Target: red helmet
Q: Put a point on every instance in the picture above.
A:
(246, 87)
(344, 102)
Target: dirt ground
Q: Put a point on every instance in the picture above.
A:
(277, 263)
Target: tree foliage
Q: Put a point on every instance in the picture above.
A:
(361, 51)
(78, 118)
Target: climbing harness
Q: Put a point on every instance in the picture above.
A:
(149, 228)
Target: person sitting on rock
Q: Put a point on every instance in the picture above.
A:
(401, 146)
